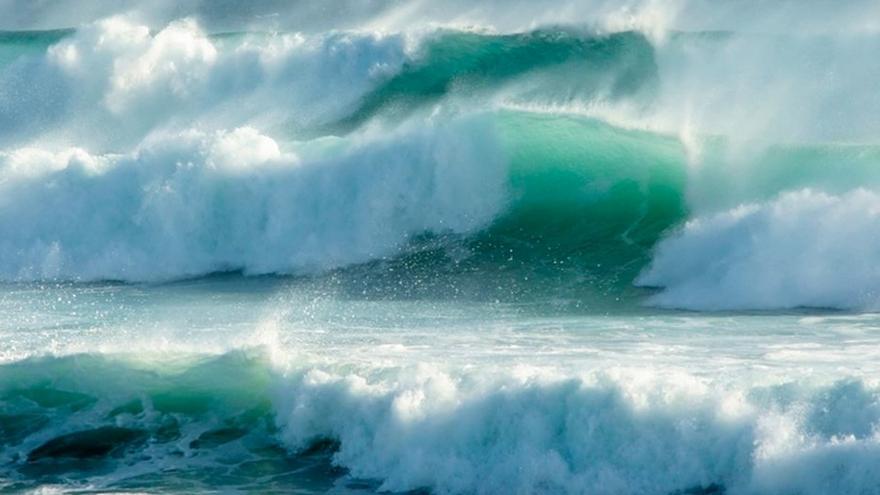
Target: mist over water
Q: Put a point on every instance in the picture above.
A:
(462, 247)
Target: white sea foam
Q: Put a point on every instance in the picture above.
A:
(142, 147)
(459, 397)
(804, 248)
(113, 82)
(161, 137)
(529, 428)
(194, 202)
(606, 433)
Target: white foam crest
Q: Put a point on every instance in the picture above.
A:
(502, 429)
(195, 202)
(113, 82)
(762, 81)
(804, 248)
(606, 432)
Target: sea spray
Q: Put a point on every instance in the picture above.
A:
(551, 246)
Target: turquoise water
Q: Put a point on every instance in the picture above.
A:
(284, 385)
(461, 249)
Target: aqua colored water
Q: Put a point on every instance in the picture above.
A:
(461, 248)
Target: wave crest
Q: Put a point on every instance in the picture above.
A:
(195, 202)
(804, 248)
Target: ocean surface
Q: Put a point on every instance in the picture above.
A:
(464, 247)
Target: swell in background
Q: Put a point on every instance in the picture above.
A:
(158, 143)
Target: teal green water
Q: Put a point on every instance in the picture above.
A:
(588, 203)
(208, 423)
(471, 65)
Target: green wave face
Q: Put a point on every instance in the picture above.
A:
(79, 417)
(561, 64)
(585, 195)
(587, 202)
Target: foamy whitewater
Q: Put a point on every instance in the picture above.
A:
(464, 247)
